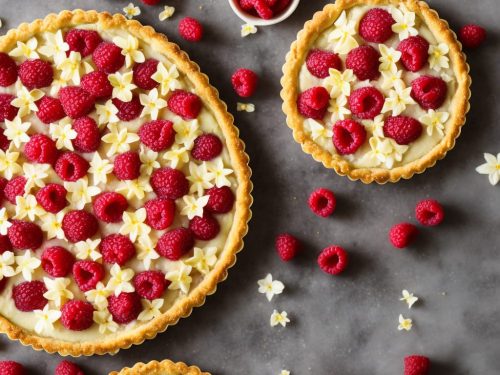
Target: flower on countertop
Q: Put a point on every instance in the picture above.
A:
(134, 224)
(150, 309)
(35, 175)
(434, 121)
(217, 169)
(131, 11)
(398, 99)
(130, 49)
(122, 85)
(270, 287)
(45, 319)
(27, 50)
(279, 318)
(491, 168)
(98, 296)
(63, 133)
(80, 192)
(186, 132)
(200, 178)
(7, 260)
(248, 29)
(57, 290)
(167, 78)
(404, 323)
(55, 46)
(405, 22)
(135, 188)
(245, 107)
(343, 35)
(285, 372)
(52, 225)
(177, 156)
(339, 83)
(107, 113)
(88, 249)
(409, 298)
(5, 224)
(119, 139)
(203, 259)
(16, 131)
(100, 168)
(27, 264)
(166, 13)
(120, 280)
(194, 206)
(388, 58)
(180, 279)
(8, 163)
(28, 207)
(105, 321)
(152, 104)
(146, 252)
(26, 100)
(437, 56)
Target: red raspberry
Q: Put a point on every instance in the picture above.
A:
(12, 368)
(108, 57)
(109, 206)
(430, 92)
(77, 315)
(88, 136)
(185, 104)
(124, 308)
(313, 102)
(68, 368)
(14, 188)
(5, 245)
(429, 212)
(35, 74)
(79, 225)
(348, 136)
(175, 243)
(333, 260)
(169, 183)
(158, 135)
(150, 2)
(402, 129)
(143, 73)
(190, 29)
(87, 274)
(150, 284)
(97, 84)
(28, 296)
(49, 110)
(25, 235)
(3, 183)
(41, 149)
(204, 228)
(71, 167)
(363, 61)
(127, 166)
(57, 261)
(8, 70)
(262, 9)
(416, 365)
(83, 41)
(4, 141)
(128, 111)
(280, 6)
(376, 25)
(52, 198)
(402, 235)
(287, 246)
(366, 102)
(206, 147)
(7, 110)
(244, 82)
(76, 101)
(247, 5)
(221, 200)
(117, 248)
(322, 202)
(414, 53)
(319, 62)
(472, 36)
(160, 213)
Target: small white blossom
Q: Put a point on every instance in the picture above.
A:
(270, 287)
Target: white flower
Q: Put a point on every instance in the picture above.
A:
(270, 287)
(107, 113)
(203, 259)
(105, 321)
(98, 296)
(120, 280)
(70, 68)
(386, 151)
(437, 56)
(122, 85)
(391, 78)
(54, 47)
(284, 372)
(279, 318)
(5, 224)
(339, 83)
(27, 50)
(245, 107)
(200, 178)
(46, 319)
(88, 249)
(216, 168)
(150, 309)
(409, 298)
(28, 207)
(135, 188)
(398, 99)
(147, 252)
(176, 156)
(119, 139)
(57, 290)
(343, 35)
(35, 175)
(388, 58)
(131, 11)
(152, 104)
(405, 22)
(130, 49)
(63, 133)
(100, 168)
(180, 279)
(491, 168)
(6, 262)
(319, 133)
(26, 100)
(194, 206)
(80, 192)
(27, 264)
(338, 108)
(434, 121)
(16, 131)
(186, 132)
(247, 29)
(134, 224)
(8, 163)
(166, 13)
(52, 225)
(375, 126)
(148, 161)
(404, 323)
(57, 83)
(167, 78)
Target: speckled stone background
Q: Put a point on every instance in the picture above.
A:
(344, 325)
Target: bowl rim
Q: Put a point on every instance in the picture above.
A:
(256, 21)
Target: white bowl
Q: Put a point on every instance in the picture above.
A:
(257, 21)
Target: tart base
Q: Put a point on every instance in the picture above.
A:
(165, 367)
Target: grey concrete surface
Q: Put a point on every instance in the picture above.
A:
(344, 325)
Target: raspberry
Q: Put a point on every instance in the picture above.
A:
(25, 235)
(8, 70)
(49, 110)
(206, 147)
(429, 212)
(204, 228)
(35, 74)
(14, 188)
(429, 92)
(280, 6)
(262, 9)
(244, 82)
(220, 201)
(414, 53)
(3, 183)
(313, 102)
(97, 84)
(247, 5)
(158, 135)
(68, 368)
(71, 167)
(150, 284)
(366, 102)
(376, 25)
(87, 274)
(190, 29)
(117, 248)
(83, 41)
(109, 207)
(28, 296)
(76, 101)
(52, 198)
(348, 136)
(143, 73)
(57, 261)
(77, 315)
(108, 57)
(79, 225)
(4, 141)
(128, 111)
(287, 246)
(416, 365)
(5, 244)
(185, 104)
(472, 36)
(7, 110)
(402, 129)
(175, 243)
(333, 260)
(12, 368)
(127, 166)
(364, 61)
(125, 307)
(160, 213)
(319, 62)
(322, 202)
(88, 136)
(402, 235)
(169, 183)
(41, 149)
(150, 2)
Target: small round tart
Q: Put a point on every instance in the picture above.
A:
(376, 89)
(165, 367)
(125, 187)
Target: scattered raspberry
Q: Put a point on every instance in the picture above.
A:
(88, 136)
(366, 102)
(125, 308)
(78, 225)
(11, 368)
(57, 261)
(97, 84)
(7, 110)
(402, 129)
(221, 200)
(190, 29)
(429, 212)
(5, 244)
(128, 111)
(41, 149)
(87, 274)
(127, 166)
(71, 167)
(25, 235)
(8, 70)
(108, 57)
(204, 228)
(158, 135)
(169, 183)
(262, 9)
(143, 73)
(150, 2)
(472, 36)
(77, 315)
(150, 284)
(319, 62)
(402, 235)
(348, 136)
(244, 82)
(322, 202)
(52, 198)
(206, 147)
(68, 368)
(14, 188)
(333, 260)
(414, 53)
(49, 110)
(185, 104)
(416, 365)
(83, 41)
(175, 243)
(430, 92)
(287, 246)
(117, 248)
(376, 25)
(109, 207)
(35, 74)
(76, 101)
(28, 296)
(160, 213)
(364, 61)
(313, 102)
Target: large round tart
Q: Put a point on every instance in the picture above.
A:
(165, 367)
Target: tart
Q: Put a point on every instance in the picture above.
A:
(376, 89)
(125, 186)
(165, 367)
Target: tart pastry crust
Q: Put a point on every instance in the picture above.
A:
(165, 367)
